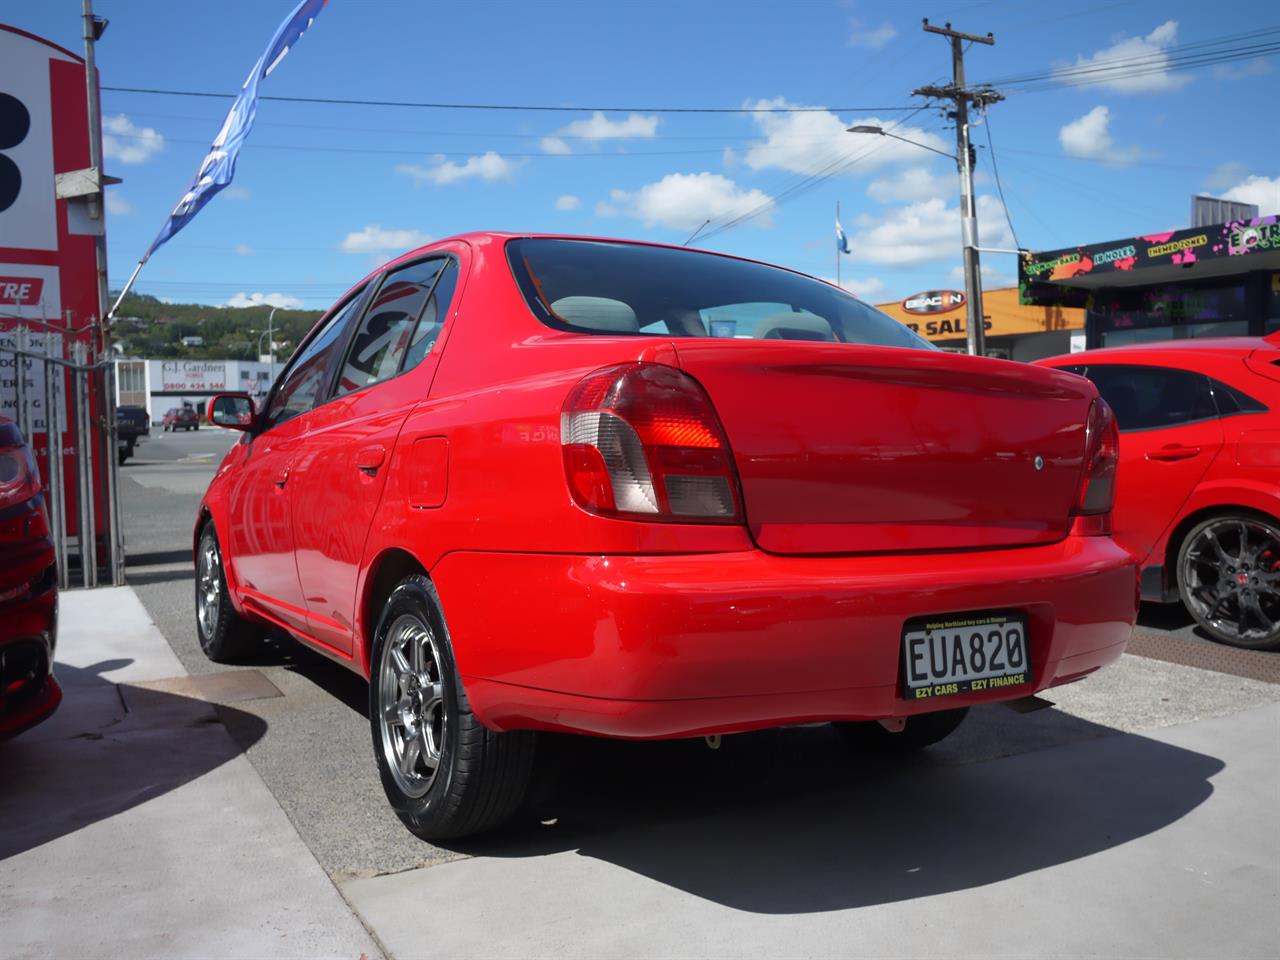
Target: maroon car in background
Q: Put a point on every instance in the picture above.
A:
(180, 418)
(28, 591)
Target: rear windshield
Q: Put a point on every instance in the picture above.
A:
(621, 288)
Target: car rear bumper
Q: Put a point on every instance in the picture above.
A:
(667, 646)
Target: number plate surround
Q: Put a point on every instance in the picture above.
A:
(932, 667)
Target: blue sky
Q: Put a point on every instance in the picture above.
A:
(324, 192)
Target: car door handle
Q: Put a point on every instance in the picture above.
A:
(370, 458)
(281, 478)
(1174, 451)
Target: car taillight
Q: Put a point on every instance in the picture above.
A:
(642, 441)
(1098, 480)
(19, 479)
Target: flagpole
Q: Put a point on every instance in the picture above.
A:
(127, 287)
(838, 246)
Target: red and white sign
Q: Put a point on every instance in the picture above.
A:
(20, 291)
(196, 376)
(933, 301)
(48, 268)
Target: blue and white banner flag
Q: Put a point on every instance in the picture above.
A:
(842, 242)
(219, 165)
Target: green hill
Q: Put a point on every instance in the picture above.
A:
(148, 327)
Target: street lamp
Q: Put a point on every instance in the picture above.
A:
(881, 131)
(271, 347)
(976, 333)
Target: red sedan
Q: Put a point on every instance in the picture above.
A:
(28, 591)
(546, 483)
(1198, 499)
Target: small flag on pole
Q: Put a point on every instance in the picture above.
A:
(219, 165)
(842, 242)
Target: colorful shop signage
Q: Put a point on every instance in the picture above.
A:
(1234, 238)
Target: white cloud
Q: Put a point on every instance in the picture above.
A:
(1234, 71)
(1131, 64)
(636, 126)
(926, 231)
(123, 141)
(1090, 137)
(993, 278)
(684, 201)
(244, 250)
(872, 39)
(236, 193)
(1264, 191)
(568, 202)
(374, 239)
(1225, 175)
(911, 185)
(283, 301)
(488, 167)
(809, 142)
(117, 205)
(867, 288)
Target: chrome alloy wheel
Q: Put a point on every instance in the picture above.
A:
(208, 586)
(411, 707)
(1231, 570)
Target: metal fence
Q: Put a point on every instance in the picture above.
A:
(51, 389)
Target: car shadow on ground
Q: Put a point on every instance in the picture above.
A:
(278, 649)
(109, 748)
(793, 821)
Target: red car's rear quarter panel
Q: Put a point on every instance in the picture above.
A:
(769, 639)
(1245, 473)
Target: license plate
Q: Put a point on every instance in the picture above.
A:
(958, 653)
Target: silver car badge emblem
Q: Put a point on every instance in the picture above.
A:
(1039, 463)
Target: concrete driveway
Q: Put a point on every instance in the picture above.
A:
(1134, 818)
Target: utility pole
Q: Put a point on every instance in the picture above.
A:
(962, 97)
(95, 203)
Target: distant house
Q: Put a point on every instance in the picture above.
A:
(193, 341)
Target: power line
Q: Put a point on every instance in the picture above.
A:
(991, 152)
(540, 108)
(804, 184)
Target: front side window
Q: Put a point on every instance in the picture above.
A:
(623, 288)
(1147, 398)
(300, 386)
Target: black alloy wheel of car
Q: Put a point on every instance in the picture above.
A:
(1229, 579)
(920, 731)
(224, 635)
(444, 773)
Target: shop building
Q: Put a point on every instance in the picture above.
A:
(1014, 330)
(158, 385)
(1215, 280)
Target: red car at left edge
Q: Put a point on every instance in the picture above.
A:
(28, 591)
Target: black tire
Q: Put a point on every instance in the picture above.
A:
(480, 778)
(922, 730)
(224, 635)
(1229, 579)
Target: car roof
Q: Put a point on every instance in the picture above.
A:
(488, 236)
(1222, 346)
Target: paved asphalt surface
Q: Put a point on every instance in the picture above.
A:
(316, 754)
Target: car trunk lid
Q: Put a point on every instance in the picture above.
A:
(849, 449)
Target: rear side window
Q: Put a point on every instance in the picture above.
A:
(1147, 398)
(433, 316)
(1232, 401)
(622, 288)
